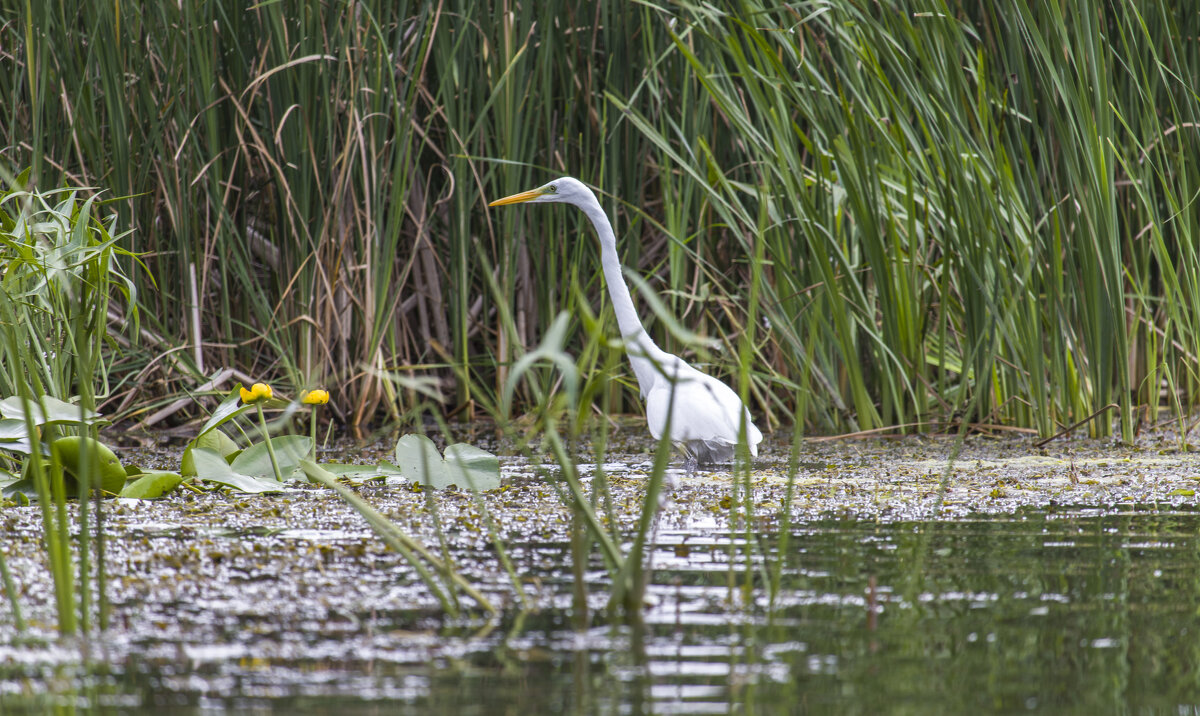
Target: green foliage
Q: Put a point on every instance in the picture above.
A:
(229, 409)
(47, 411)
(214, 459)
(210, 466)
(20, 417)
(417, 462)
(150, 484)
(78, 455)
(59, 267)
(54, 466)
(891, 214)
(465, 465)
(262, 466)
(953, 201)
(289, 450)
(79, 459)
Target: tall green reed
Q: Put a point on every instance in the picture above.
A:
(943, 193)
(957, 206)
(59, 274)
(338, 236)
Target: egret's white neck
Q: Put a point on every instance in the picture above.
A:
(646, 358)
(618, 290)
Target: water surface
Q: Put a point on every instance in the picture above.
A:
(1017, 582)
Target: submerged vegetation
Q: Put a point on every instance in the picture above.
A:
(909, 216)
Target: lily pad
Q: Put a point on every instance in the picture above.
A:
(12, 429)
(464, 465)
(218, 442)
(7, 478)
(215, 440)
(478, 466)
(23, 446)
(51, 410)
(289, 451)
(212, 467)
(151, 483)
(359, 474)
(22, 492)
(71, 450)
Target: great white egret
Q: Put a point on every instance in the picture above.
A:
(707, 416)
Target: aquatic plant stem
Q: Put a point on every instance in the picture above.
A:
(84, 487)
(103, 606)
(612, 554)
(51, 493)
(313, 434)
(408, 547)
(262, 420)
(629, 585)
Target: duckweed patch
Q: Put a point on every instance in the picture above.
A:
(1014, 576)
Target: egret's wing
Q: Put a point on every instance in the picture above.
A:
(705, 409)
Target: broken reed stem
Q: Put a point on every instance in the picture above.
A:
(1069, 428)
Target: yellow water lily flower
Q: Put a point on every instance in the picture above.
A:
(259, 392)
(318, 396)
(315, 397)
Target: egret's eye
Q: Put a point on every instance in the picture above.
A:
(552, 189)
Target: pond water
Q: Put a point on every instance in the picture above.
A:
(1016, 582)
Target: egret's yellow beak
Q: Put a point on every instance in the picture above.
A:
(518, 198)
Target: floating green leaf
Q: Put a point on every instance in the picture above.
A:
(417, 457)
(480, 468)
(21, 490)
(465, 465)
(215, 440)
(211, 466)
(289, 450)
(12, 429)
(218, 442)
(23, 446)
(151, 484)
(359, 474)
(70, 451)
(51, 410)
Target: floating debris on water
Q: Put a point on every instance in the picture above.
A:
(984, 574)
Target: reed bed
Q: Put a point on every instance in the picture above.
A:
(886, 216)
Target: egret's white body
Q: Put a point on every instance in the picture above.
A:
(706, 415)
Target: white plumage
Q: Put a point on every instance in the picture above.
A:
(706, 416)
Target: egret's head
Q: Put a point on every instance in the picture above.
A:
(565, 190)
